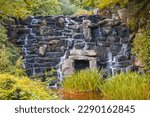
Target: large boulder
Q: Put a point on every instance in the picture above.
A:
(123, 14)
(68, 67)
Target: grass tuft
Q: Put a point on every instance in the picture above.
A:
(83, 81)
(126, 86)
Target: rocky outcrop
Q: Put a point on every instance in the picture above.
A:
(68, 44)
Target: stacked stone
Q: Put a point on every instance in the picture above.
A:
(56, 42)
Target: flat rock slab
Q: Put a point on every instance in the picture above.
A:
(78, 52)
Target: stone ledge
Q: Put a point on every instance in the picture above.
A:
(77, 57)
(78, 52)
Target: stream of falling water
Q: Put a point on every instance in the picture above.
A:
(59, 72)
(110, 63)
(113, 61)
(62, 59)
(24, 48)
(34, 21)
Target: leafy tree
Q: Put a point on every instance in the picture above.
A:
(46, 7)
(16, 8)
(76, 2)
(103, 3)
(22, 8)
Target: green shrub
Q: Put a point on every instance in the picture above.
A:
(103, 3)
(81, 12)
(83, 81)
(3, 35)
(22, 88)
(5, 63)
(8, 53)
(126, 86)
(76, 2)
(9, 60)
(67, 7)
(46, 7)
(142, 48)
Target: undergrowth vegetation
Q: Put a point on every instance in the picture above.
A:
(104, 3)
(9, 54)
(127, 86)
(22, 88)
(142, 48)
(83, 81)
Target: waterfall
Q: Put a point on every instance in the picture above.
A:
(123, 49)
(74, 22)
(111, 60)
(25, 50)
(59, 72)
(33, 69)
(31, 32)
(86, 46)
(67, 22)
(70, 40)
(34, 21)
(60, 39)
(26, 40)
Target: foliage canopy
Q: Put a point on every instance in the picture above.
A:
(103, 3)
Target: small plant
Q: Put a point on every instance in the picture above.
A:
(5, 63)
(49, 77)
(22, 88)
(142, 48)
(67, 7)
(3, 35)
(19, 71)
(126, 86)
(9, 60)
(81, 12)
(83, 81)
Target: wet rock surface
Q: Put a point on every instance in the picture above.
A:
(61, 42)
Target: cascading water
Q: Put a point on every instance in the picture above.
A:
(59, 72)
(33, 69)
(111, 61)
(34, 21)
(70, 40)
(60, 39)
(25, 50)
(123, 49)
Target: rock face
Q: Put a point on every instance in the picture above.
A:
(69, 44)
(123, 14)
